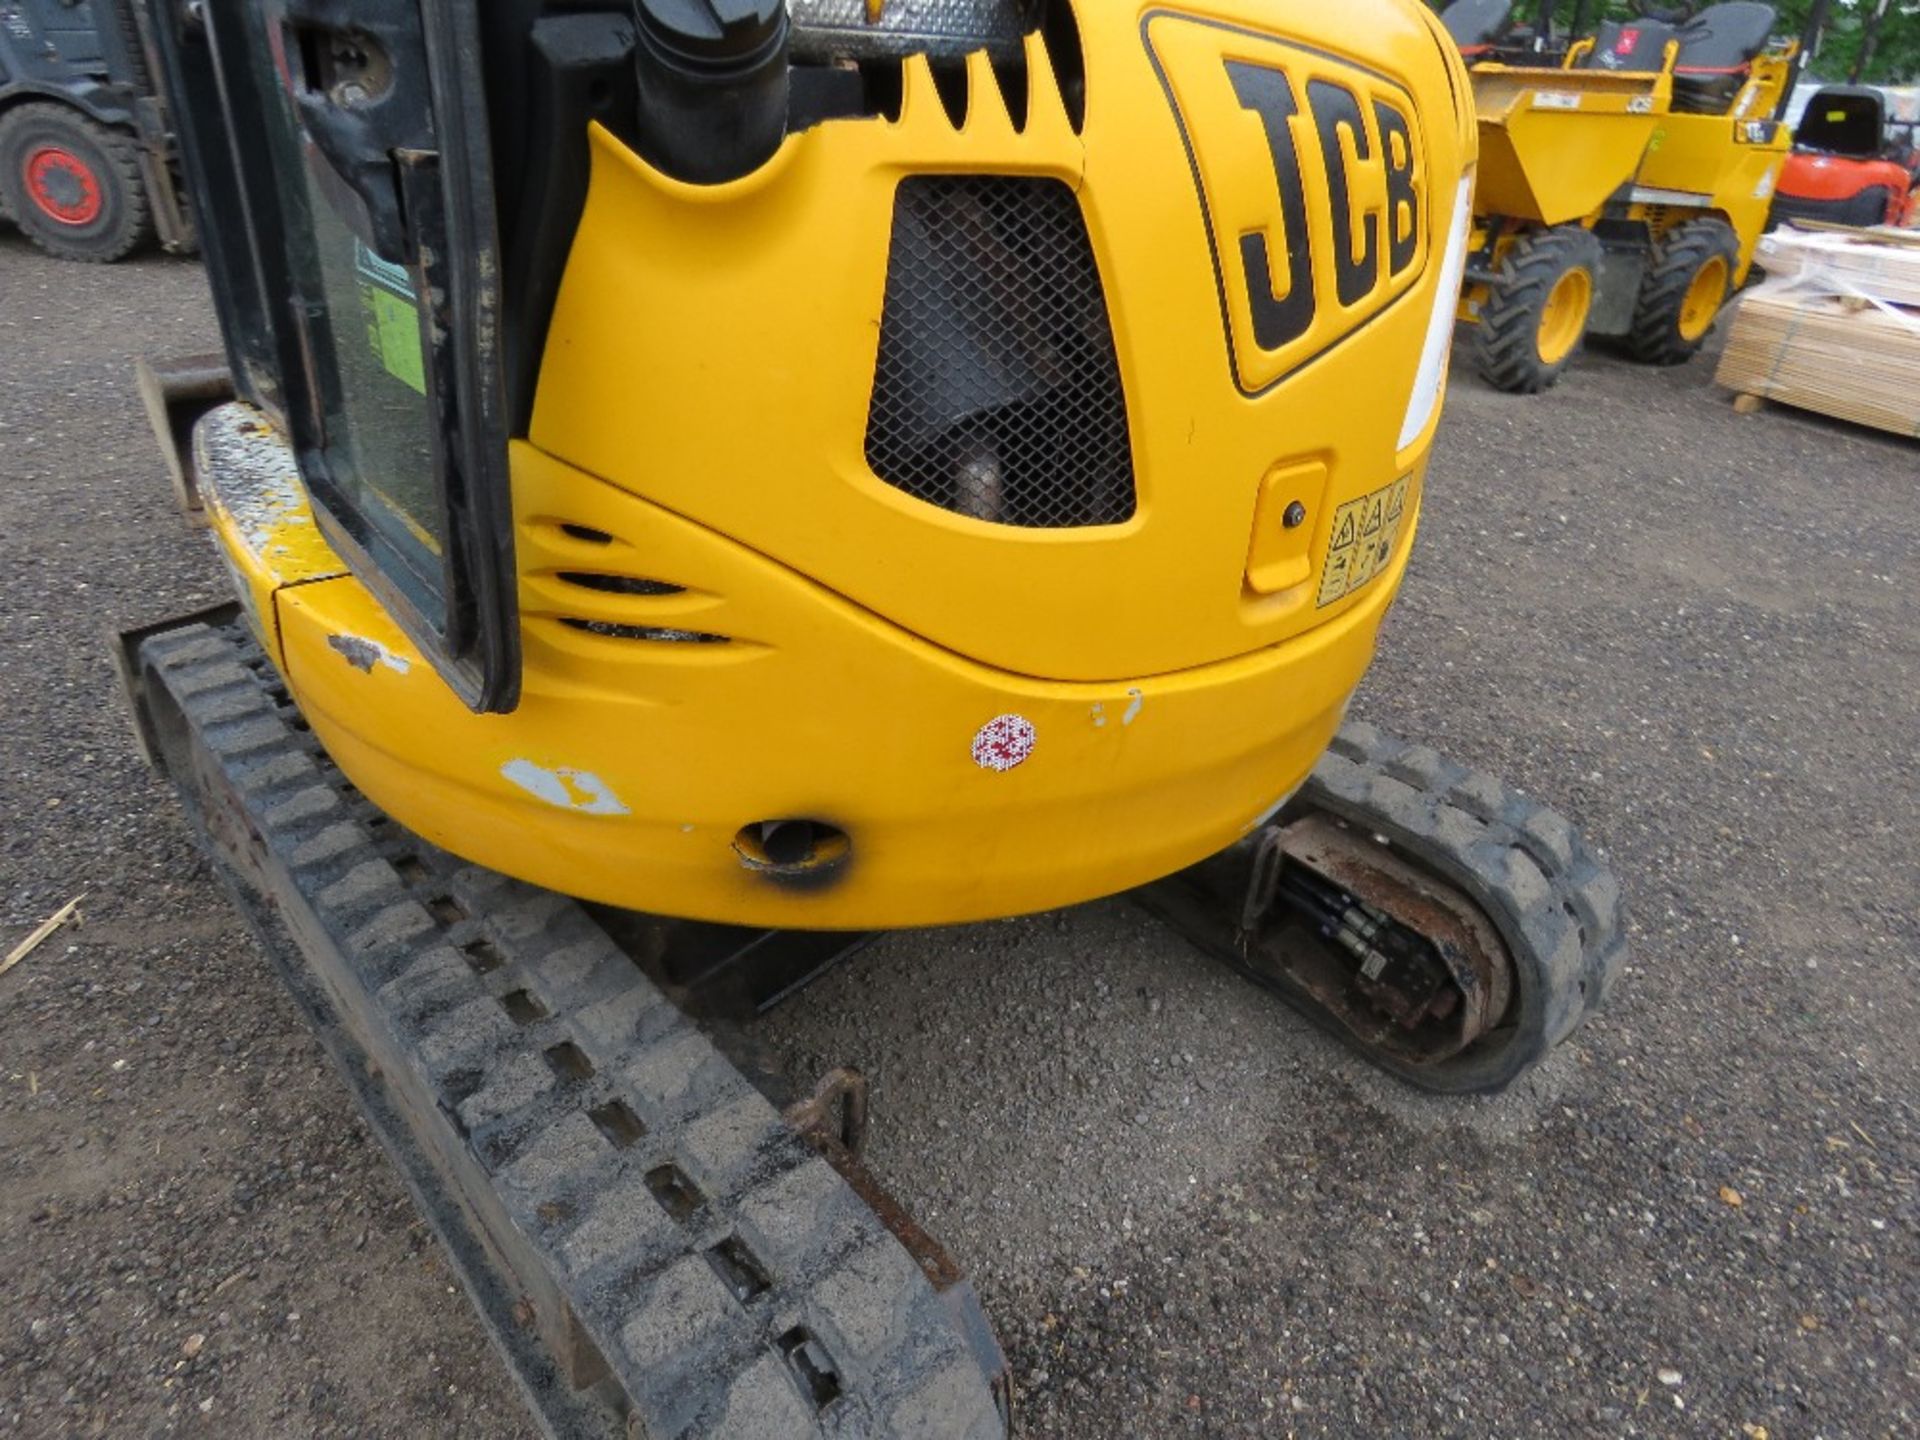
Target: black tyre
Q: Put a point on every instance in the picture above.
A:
(72, 184)
(1537, 308)
(1689, 280)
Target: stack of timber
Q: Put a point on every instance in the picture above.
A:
(1835, 329)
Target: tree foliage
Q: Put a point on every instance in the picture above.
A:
(1896, 52)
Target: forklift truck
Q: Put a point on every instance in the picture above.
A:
(88, 169)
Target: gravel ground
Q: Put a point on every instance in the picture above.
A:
(1188, 1213)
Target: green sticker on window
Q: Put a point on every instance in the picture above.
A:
(393, 317)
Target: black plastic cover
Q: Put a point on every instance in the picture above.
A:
(1724, 39)
(88, 55)
(1716, 47)
(1849, 120)
(729, 34)
(1475, 24)
(1638, 45)
(713, 85)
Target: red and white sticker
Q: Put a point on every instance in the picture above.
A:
(1003, 742)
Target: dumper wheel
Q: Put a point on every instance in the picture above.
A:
(1536, 314)
(1689, 280)
(72, 184)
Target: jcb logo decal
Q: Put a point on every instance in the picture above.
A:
(1312, 179)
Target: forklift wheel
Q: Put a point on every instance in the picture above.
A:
(1689, 280)
(72, 184)
(1537, 309)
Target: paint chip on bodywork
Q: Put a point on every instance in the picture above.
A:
(364, 654)
(566, 788)
(250, 483)
(258, 478)
(1136, 700)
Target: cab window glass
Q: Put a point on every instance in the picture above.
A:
(363, 333)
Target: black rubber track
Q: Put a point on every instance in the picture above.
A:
(1655, 337)
(1507, 339)
(526, 1025)
(125, 222)
(1555, 904)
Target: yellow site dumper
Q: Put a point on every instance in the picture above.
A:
(1621, 193)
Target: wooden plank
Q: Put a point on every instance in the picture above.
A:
(1876, 263)
(1856, 362)
(1880, 234)
(27, 946)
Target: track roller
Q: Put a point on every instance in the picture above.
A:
(1449, 929)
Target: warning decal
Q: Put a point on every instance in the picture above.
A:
(1364, 534)
(393, 317)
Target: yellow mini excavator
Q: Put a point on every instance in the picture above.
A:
(704, 480)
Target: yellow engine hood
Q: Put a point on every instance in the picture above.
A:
(713, 349)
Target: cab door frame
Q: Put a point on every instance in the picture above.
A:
(385, 100)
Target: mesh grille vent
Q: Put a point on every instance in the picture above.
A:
(620, 584)
(616, 630)
(997, 393)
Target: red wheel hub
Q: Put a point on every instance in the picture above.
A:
(63, 185)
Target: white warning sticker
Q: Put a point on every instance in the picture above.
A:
(1005, 742)
(1364, 534)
